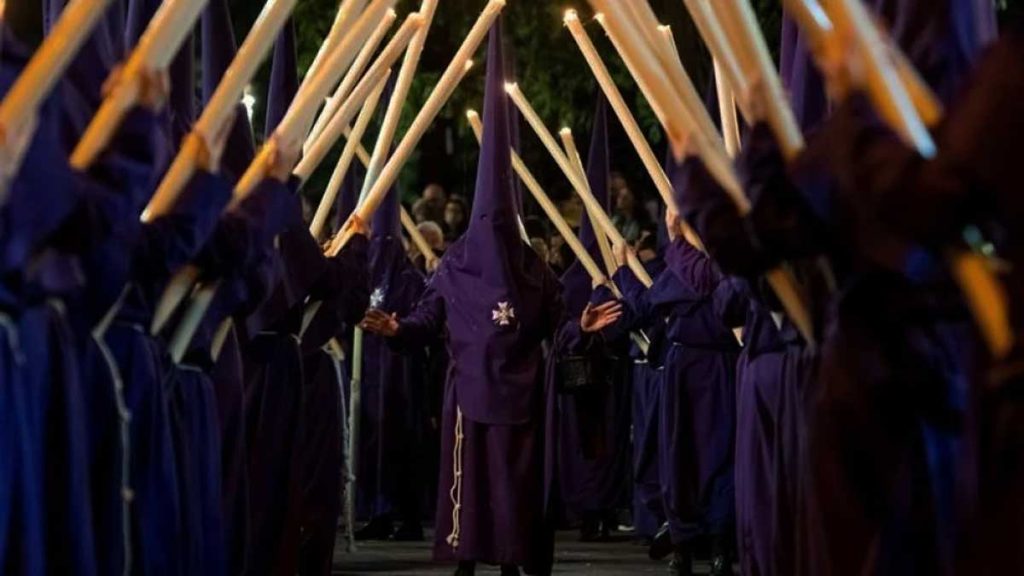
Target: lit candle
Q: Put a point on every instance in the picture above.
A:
(351, 77)
(210, 130)
(450, 80)
(165, 33)
(334, 128)
(345, 162)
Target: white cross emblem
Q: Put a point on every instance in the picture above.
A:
(377, 297)
(504, 314)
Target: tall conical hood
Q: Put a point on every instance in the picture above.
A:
(576, 280)
(942, 38)
(219, 48)
(387, 223)
(83, 83)
(284, 78)
(498, 293)
(348, 196)
(493, 230)
(182, 105)
(140, 12)
(801, 78)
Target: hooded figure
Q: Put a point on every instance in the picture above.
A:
(392, 390)
(594, 424)
(497, 302)
(696, 405)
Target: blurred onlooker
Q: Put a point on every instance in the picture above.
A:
(560, 254)
(630, 216)
(430, 206)
(455, 217)
(434, 236)
(647, 245)
(540, 246)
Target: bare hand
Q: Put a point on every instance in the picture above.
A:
(356, 225)
(621, 252)
(672, 223)
(380, 323)
(597, 318)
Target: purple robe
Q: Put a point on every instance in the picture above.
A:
(593, 425)
(499, 302)
(392, 385)
(697, 404)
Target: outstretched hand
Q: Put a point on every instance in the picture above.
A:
(380, 323)
(597, 318)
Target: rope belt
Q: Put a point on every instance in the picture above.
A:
(456, 491)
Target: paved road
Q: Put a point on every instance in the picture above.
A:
(603, 559)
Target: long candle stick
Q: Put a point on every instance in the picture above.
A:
(573, 154)
(571, 173)
(604, 79)
(210, 130)
(646, 66)
(164, 35)
(442, 92)
(351, 77)
(332, 132)
(282, 148)
(343, 20)
(677, 119)
(344, 163)
(20, 107)
(278, 151)
(549, 208)
(742, 28)
(388, 128)
(727, 112)
(710, 30)
(597, 277)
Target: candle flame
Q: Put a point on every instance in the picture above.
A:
(599, 17)
(565, 131)
(469, 64)
(471, 114)
(511, 87)
(664, 28)
(391, 13)
(570, 15)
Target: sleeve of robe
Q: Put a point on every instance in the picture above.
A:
(346, 282)
(424, 325)
(171, 241)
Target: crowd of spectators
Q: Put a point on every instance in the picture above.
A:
(442, 218)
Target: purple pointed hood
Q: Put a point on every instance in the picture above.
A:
(942, 38)
(140, 12)
(82, 86)
(348, 196)
(181, 107)
(218, 49)
(576, 280)
(492, 283)
(284, 78)
(394, 281)
(801, 78)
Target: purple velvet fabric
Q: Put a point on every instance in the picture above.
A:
(393, 386)
(498, 302)
(284, 78)
(697, 404)
(218, 49)
(593, 426)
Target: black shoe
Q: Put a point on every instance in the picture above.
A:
(661, 545)
(408, 532)
(466, 569)
(376, 529)
(509, 570)
(590, 530)
(721, 560)
(682, 562)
